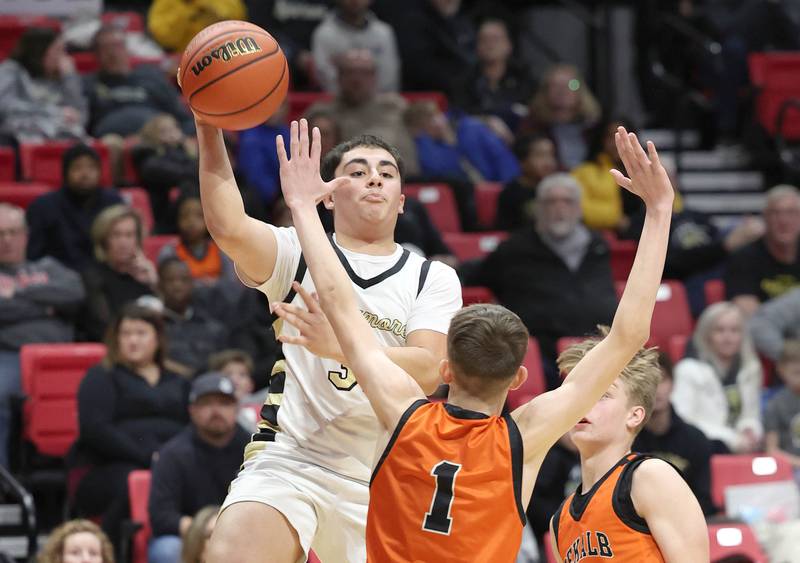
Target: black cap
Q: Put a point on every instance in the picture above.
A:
(210, 384)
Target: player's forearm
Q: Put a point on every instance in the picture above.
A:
(632, 319)
(223, 208)
(419, 363)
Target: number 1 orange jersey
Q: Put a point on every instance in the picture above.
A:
(447, 488)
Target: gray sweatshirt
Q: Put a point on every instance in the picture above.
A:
(34, 299)
(775, 321)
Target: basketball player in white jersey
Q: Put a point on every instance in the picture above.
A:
(304, 481)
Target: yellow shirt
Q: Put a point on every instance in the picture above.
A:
(173, 23)
(601, 197)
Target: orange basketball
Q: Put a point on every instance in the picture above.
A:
(234, 75)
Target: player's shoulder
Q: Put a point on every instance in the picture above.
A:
(653, 471)
(440, 272)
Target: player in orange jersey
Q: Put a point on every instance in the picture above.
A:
(631, 507)
(453, 478)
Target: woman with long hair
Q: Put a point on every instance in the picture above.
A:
(128, 407)
(718, 385)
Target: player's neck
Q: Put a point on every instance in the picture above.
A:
(459, 398)
(377, 246)
(596, 463)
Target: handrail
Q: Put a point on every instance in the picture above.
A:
(28, 509)
(786, 155)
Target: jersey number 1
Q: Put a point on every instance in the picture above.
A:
(438, 519)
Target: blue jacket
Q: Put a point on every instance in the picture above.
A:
(258, 160)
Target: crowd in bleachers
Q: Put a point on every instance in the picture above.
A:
(103, 240)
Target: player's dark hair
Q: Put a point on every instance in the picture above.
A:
(485, 345)
(524, 145)
(332, 160)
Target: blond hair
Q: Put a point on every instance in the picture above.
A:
(194, 542)
(641, 376)
(748, 358)
(588, 107)
(218, 361)
(106, 220)
(53, 550)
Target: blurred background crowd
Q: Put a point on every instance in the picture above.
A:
(133, 362)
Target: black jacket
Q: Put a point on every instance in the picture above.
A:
(190, 474)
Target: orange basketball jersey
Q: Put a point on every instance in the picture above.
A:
(447, 488)
(602, 524)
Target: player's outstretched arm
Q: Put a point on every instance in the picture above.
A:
(247, 241)
(547, 417)
(390, 390)
(665, 501)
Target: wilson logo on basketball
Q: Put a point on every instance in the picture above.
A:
(241, 47)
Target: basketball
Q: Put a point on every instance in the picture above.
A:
(234, 75)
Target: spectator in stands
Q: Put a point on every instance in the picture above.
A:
(258, 160)
(782, 416)
(196, 540)
(556, 274)
(775, 322)
(173, 23)
(359, 109)
(77, 541)
(437, 41)
(41, 92)
(770, 266)
(499, 86)
(122, 99)
(60, 222)
(352, 26)
(329, 130)
(516, 205)
(558, 477)
(128, 407)
(718, 383)
(193, 334)
(165, 159)
(459, 148)
(237, 365)
(38, 299)
(605, 204)
(563, 108)
(195, 467)
(121, 273)
(415, 231)
(669, 437)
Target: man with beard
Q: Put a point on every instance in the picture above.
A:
(194, 468)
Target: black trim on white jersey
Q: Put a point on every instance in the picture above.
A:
(361, 282)
(298, 277)
(423, 275)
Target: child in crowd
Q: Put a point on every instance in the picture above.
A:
(782, 417)
(238, 366)
(77, 541)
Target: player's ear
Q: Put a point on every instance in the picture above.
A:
(519, 378)
(635, 417)
(444, 371)
(328, 202)
(401, 207)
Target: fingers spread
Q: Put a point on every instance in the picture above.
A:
(621, 179)
(299, 340)
(653, 153)
(281, 148)
(304, 138)
(294, 142)
(316, 146)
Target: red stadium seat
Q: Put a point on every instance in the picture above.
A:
(42, 162)
(51, 374)
(775, 77)
(469, 246)
(139, 199)
(8, 168)
(714, 291)
(487, 195)
(439, 203)
(671, 314)
(734, 539)
(138, 497)
(151, 246)
(85, 62)
(677, 347)
(728, 470)
(622, 254)
(22, 193)
(11, 27)
(566, 341)
(535, 384)
(473, 294)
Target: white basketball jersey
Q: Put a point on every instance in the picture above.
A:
(322, 409)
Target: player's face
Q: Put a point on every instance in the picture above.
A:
(137, 341)
(373, 196)
(82, 547)
(608, 422)
(725, 337)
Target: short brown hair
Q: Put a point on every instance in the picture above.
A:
(485, 345)
(53, 550)
(331, 161)
(195, 539)
(790, 352)
(138, 313)
(106, 220)
(641, 376)
(216, 362)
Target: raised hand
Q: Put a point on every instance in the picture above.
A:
(647, 177)
(300, 180)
